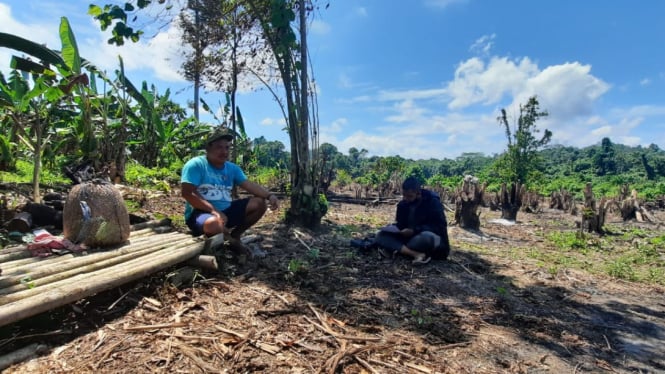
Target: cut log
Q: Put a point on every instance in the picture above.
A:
(22, 222)
(204, 261)
(20, 256)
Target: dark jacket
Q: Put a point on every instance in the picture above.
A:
(427, 215)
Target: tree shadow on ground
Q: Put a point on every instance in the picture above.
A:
(449, 302)
(443, 304)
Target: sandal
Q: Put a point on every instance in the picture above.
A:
(421, 261)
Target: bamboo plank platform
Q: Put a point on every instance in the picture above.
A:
(32, 285)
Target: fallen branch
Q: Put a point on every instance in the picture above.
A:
(365, 364)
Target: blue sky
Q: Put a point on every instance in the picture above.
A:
(427, 78)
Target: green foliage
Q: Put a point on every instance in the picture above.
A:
(439, 181)
(313, 253)
(568, 240)
(271, 177)
(161, 179)
(342, 179)
(621, 268)
(24, 171)
(521, 160)
(296, 266)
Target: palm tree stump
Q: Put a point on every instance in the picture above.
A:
(469, 198)
(593, 216)
(632, 209)
(510, 200)
(562, 200)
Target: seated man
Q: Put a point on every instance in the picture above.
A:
(206, 185)
(420, 230)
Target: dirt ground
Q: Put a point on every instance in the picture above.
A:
(315, 304)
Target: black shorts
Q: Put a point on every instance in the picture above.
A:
(235, 215)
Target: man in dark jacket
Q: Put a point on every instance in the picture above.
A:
(420, 230)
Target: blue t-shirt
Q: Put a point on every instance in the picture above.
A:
(213, 184)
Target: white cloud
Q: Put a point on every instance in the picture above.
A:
(483, 45)
(273, 121)
(566, 91)
(394, 95)
(44, 33)
(407, 112)
(158, 55)
(336, 126)
(474, 82)
(645, 82)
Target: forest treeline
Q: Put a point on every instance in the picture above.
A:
(607, 166)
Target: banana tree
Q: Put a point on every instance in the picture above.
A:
(54, 79)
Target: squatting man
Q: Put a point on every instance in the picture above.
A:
(206, 184)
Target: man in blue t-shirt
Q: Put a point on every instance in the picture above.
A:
(206, 185)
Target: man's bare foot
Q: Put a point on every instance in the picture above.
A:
(421, 260)
(238, 248)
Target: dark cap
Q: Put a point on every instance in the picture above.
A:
(217, 133)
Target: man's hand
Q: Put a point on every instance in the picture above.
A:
(220, 217)
(273, 202)
(407, 233)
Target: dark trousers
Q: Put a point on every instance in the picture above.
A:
(422, 242)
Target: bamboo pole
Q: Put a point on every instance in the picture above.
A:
(31, 261)
(111, 257)
(39, 281)
(93, 283)
(34, 262)
(48, 261)
(22, 252)
(14, 255)
(81, 277)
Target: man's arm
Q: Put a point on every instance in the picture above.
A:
(435, 219)
(188, 192)
(261, 192)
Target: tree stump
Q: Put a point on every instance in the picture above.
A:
(631, 208)
(531, 202)
(510, 200)
(469, 198)
(593, 217)
(562, 200)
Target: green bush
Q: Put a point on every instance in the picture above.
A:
(23, 174)
(160, 178)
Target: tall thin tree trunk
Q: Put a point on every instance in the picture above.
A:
(36, 193)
